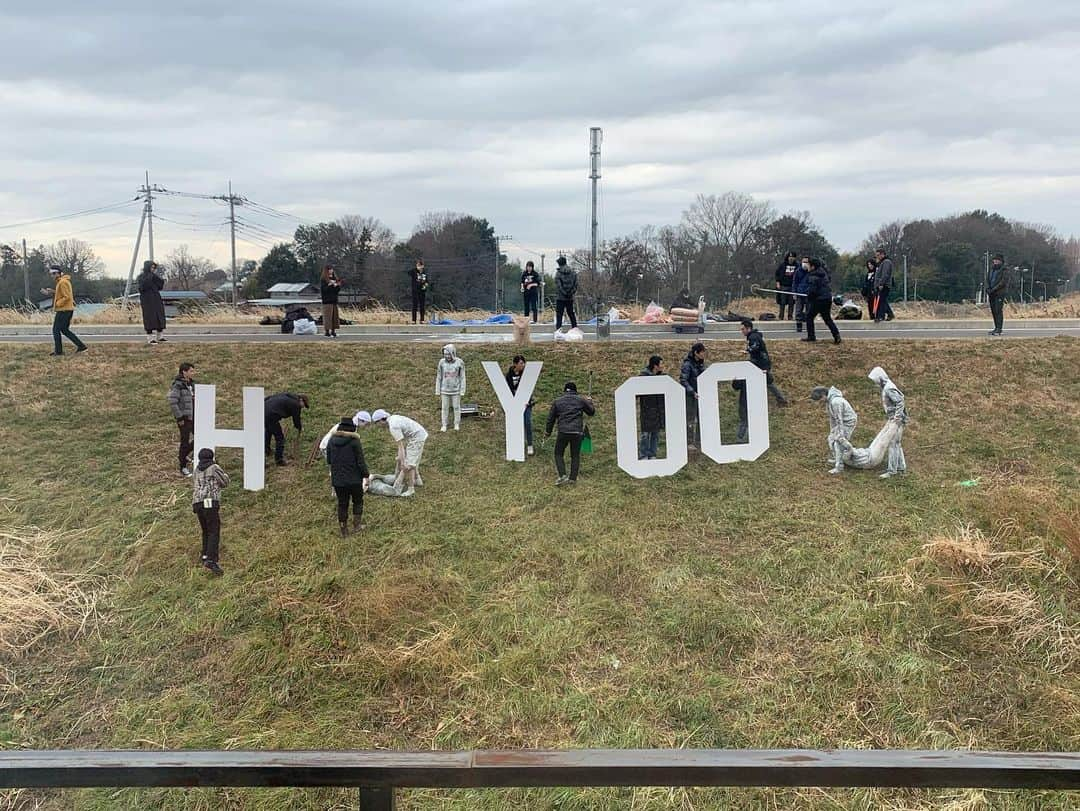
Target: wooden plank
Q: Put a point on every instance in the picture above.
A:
(532, 768)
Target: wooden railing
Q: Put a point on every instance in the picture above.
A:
(379, 774)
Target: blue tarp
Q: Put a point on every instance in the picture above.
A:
(616, 321)
(501, 318)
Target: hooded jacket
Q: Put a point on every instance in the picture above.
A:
(892, 399)
(801, 280)
(568, 411)
(513, 380)
(842, 417)
(785, 275)
(285, 404)
(63, 297)
(883, 274)
(530, 280)
(181, 399)
(565, 283)
(819, 288)
(997, 280)
(450, 374)
(345, 457)
(688, 375)
(153, 308)
(652, 409)
(759, 355)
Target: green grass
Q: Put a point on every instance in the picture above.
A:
(761, 604)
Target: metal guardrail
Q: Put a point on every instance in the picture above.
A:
(378, 774)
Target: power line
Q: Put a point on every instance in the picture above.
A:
(85, 213)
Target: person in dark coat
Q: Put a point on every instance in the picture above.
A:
(181, 399)
(348, 474)
(652, 413)
(530, 290)
(568, 412)
(785, 278)
(800, 283)
(513, 380)
(759, 356)
(418, 286)
(329, 288)
(150, 285)
(276, 408)
(883, 274)
(868, 285)
(565, 288)
(997, 283)
(819, 300)
(692, 367)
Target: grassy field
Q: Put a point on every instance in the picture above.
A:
(761, 604)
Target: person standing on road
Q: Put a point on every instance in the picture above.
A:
(882, 285)
(692, 367)
(997, 283)
(418, 285)
(867, 288)
(565, 288)
(568, 412)
(530, 290)
(63, 311)
(785, 278)
(895, 405)
(150, 285)
(652, 413)
(800, 284)
(410, 437)
(329, 289)
(842, 422)
(348, 474)
(181, 399)
(278, 407)
(819, 300)
(513, 380)
(208, 481)
(450, 385)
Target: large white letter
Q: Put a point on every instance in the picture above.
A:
(513, 405)
(626, 426)
(249, 438)
(757, 411)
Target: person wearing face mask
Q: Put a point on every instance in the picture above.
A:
(996, 285)
(785, 277)
(530, 290)
(450, 385)
(800, 283)
(513, 380)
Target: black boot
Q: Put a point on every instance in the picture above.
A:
(344, 528)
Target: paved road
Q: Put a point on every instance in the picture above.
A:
(907, 332)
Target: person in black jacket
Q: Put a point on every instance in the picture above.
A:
(418, 285)
(569, 413)
(996, 285)
(565, 288)
(785, 277)
(329, 288)
(153, 308)
(513, 380)
(819, 301)
(276, 408)
(348, 473)
(759, 356)
(868, 285)
(530, 290)
(692, 366)
(652, 413)
(883, 274)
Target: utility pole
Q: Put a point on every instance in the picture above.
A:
(149, 216)
(905, 278)
(233, 201)
(542, 283)
(134, 257)
(596, 137)
(147, 192)
(498, 238)
(25, 273)
(688, 263)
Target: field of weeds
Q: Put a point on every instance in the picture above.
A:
(757, 605)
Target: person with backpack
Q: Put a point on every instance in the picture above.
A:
(450, 385)
(565, 289)
(568, 412)
(208, 481)
(652, 413)
(329, 290)
(348, 474)
(150, 285)
(785, 278)
(819, 300)
(530, 290)
(997, 283)
(181, 399)
(513, 380)
(418, 286)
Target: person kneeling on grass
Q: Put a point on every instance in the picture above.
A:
(348, 473)
(209, 478)
(410, 437)
(569, 412)
(842, 422)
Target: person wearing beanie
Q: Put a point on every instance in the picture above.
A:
(895, 405)
(530, 289)
(568, 412)
(785, 278)
(450, 385)
(997, 283)
(842, 422)
(150, 285)
(565, 289)
(348, 473)
(209, 479)
(410, 437)
(63, 311)
(181, 399)
(276, 408)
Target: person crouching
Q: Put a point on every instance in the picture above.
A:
(348, 474)
(209, 479)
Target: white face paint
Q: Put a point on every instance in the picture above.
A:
(513, 405)
(757, 412)
(626, 426)
(249, 438)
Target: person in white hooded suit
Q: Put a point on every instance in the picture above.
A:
(450, 385)
(842, 422)
(892, 400)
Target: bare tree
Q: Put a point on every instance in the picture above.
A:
(75, 257)
(185, 271)
(369, 232)
(889, 236)
(731, 221)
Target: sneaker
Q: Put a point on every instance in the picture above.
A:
(561, 480)
(83, 348)
(808, 340)
(570, 481)
(214, 568)
(837, 470)
(150, 339)
(409, 492)
(890, 317)
(529, 450)
(442, 430)
(161, 339)
(185, 472)
(886, 475)
(58, 354)
(836, 339)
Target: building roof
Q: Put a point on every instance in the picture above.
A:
(282, 301)
(290, 288)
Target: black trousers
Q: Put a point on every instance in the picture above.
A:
(187, 440)
(273, 429)
(997, 309)
(564, 307)
(822, 307)
(344, 494)
(61, 325)
(573, 441)
(786, 302)
(531, 298)
(419, 304)
(883, 308)
(210, 523)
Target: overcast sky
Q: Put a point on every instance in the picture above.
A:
(859, 112)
